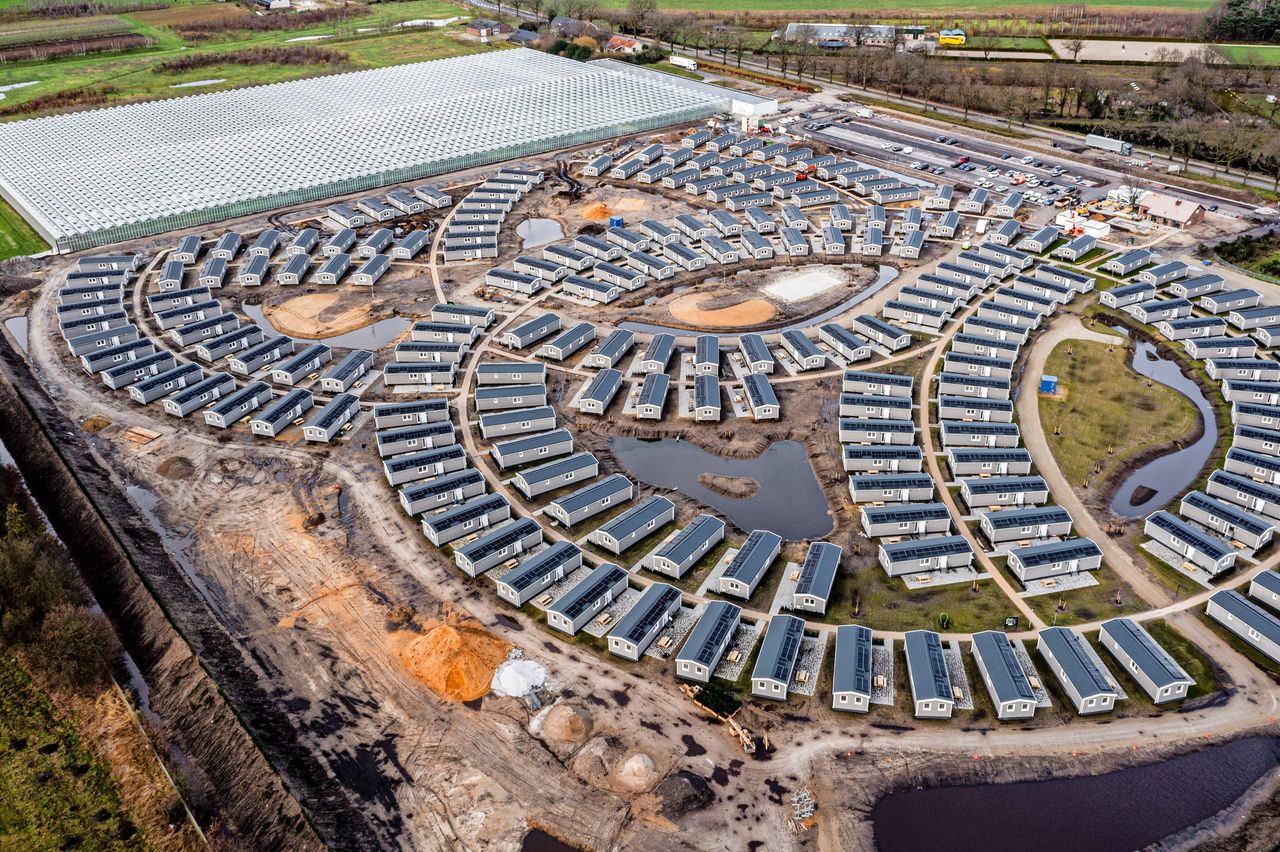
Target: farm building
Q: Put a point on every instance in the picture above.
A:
(635, 524)
(585, 600)
(776, 662)
(637, 630)
(1144, 660)
(932, 693)
(1081, 673)
(591, 499)
(708, 641)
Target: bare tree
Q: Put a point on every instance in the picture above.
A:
(639, 12)
(985, 44)
(1074, 46)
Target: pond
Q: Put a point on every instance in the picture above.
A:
(789, 501)
(539, 232)
(372, 336)
(885, 276)
(17, 326)
(1116, 812)
(1163, 478)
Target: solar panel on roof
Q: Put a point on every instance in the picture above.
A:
(635, 630)
(589, 591)
(337, 407)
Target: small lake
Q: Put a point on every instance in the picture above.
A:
(886, 276)
(17, 326)
(539, 232)
(372, 336)
(790, 502)
(1117, 812)
(1170, 474)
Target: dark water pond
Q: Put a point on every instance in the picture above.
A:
(1117, 812)
(1169, 475)
(789, 502)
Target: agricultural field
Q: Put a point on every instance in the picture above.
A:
(926, 7)
(1106, 414)
(17, 238)
(1268, 54)
(372, 36)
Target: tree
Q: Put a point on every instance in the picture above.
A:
(985, 44)
(639, 12)
(1074, 46)
(738, 39)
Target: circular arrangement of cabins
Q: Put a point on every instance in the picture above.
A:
(472, 446)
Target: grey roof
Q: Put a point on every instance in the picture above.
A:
(511, 367)
(879, 378)
(417, 406)
(780, 648)
(754, 557)
(655, 602)
(759, 391)
(1245, 610)
(1008, 681)
(930, 680)
(498, 538)
(532, 442)
(706, 391)
(903, 480)
(422, 430)
(592, 492)
(853, 660)
(584, 595)
(818, 571)
(1078, 666)
(492, 392)
(559, 467)
(654, 389)
(998, 484)
(352, 362)
(906, 512)
(660, 348)
(930, 546)
(409, 461)
(282, 408)
(1237, 516)
(539, 565)
(1145, 652)
(232, 401)
(1027, 517)
(754, 347)
(1209, 545)
(603, 385)
(686, 542)
(651, 508)
(474, 508)
(615, 344)
(1057, 551)
(716, 621)
(1268, 580)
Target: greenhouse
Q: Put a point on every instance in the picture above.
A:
(106, 175)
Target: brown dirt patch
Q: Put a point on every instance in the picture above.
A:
(737, 487)
(747, 313)
(96, 423)
(176, 467)
(596, 212)
(316, 315)
(455, 658)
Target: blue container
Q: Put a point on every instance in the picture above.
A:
(1048, 384)
(615, 221)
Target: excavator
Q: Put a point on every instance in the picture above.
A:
(806, 173)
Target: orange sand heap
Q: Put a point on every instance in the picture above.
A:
(596, 211)
(455, 658)
(748, 313)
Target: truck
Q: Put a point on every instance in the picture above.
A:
(863, 112)
(683, 62)
(1106, 143)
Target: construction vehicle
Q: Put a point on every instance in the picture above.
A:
(735, 729)
(806, 172)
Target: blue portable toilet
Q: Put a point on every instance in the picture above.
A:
(1049, 384)
(615, 221)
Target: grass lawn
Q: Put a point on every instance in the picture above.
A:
(17, 237)
(1267, 54)
(132, 74)
(1106, 414)
(1008, 42)
(53, 795)
(1090, 604)
(679, 72)
(1185, 654)
(885, 603)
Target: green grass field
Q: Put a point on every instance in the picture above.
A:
(1243, 53)
(132, 74)
(53, 794)
(16, 236)
(1108, 414)
(927, 7)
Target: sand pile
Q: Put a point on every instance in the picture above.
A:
(568, 723)
(517, 678)
(455, 658)
(737, 487)
(96, 423)
(637, 772)
(688, 309)
(596, 212)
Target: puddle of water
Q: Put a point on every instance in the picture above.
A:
(790, 502)
(372, 336)
(1168, 475)
(17, 326)
(805, 284)
(539, 232)
(886, 276)
(1116, 812)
